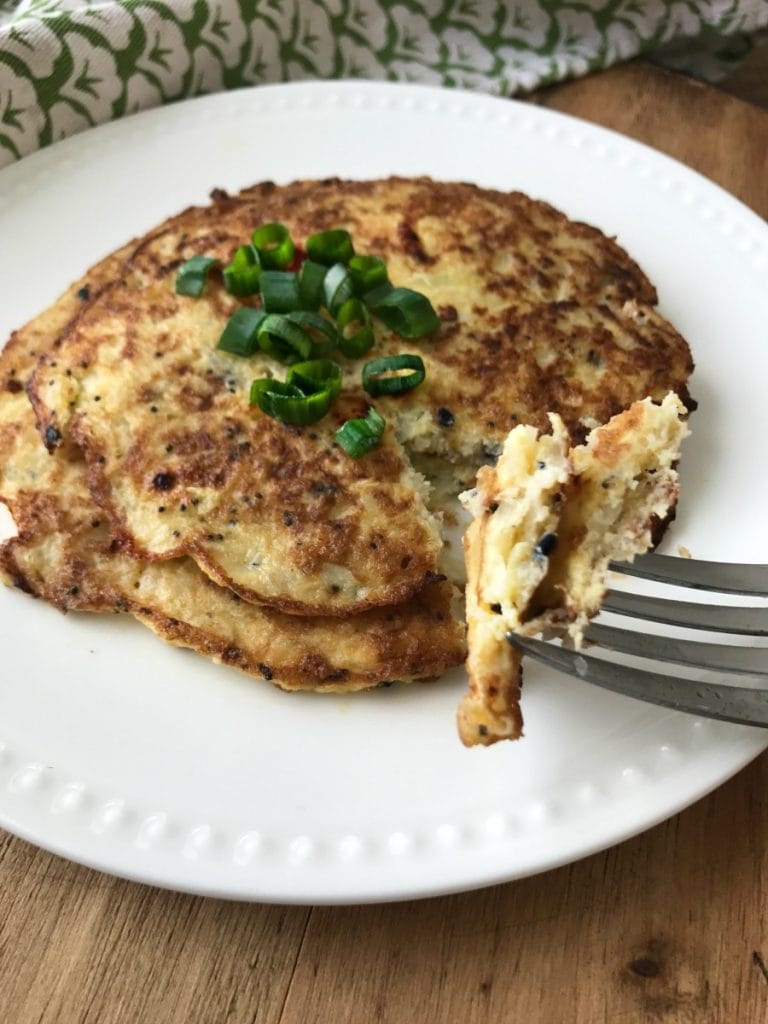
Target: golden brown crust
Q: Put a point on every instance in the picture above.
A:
(65, 554)
(538, 313)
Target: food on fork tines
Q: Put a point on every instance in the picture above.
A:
(547, 521)
(239, 427)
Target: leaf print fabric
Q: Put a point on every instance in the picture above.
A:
(66, 65)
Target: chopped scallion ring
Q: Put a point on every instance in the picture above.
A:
(338, 287)
(358, 436)
(316, 375)
(330, 247)
(282, 339)
(193, 274)
(355, 331)
(285, 402)
(382, 376)
(377, 294)
(321, 332)
(241, 275)
(368, 272)
(406, 312)
(311, 277)
(240, 334)
(279, 291)
(275, 246)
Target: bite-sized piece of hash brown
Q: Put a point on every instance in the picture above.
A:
(64, 553)
(537, 313)
(548, 519)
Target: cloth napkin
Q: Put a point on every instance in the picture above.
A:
(66, 65)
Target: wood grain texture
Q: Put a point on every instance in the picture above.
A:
(76, 945)
(661, 928)
(669, 927)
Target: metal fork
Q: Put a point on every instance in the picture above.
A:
(722, 700)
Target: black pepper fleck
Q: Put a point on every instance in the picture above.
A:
(84, 293)
(266, 671)
(163, 481)
(445, 417)
(546, 545)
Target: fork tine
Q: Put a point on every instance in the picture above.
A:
(725, 577)
(718, 618)
(726, 703)
(723, 657)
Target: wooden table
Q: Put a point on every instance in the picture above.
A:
(671, 926)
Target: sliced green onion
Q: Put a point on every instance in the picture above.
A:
(316, 375)
(382, 376)
(368, 272)
(355, 331)
(268, 385)
(240, 334)
(330, 247)
(406, 312)
(311, 277)
(338, 287)
(193, 274)
(321, 332)
(358, 436)
(377, 294)
(275, 246)
(282, 339)
(279, 291)
(241, 275)
(287, 403)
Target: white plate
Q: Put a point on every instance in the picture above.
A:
(144, 761)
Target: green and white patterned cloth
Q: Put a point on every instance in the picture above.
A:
(66, 65)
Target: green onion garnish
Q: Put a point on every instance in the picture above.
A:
(338, 287)
(330, 247)
(355, 331)
(368, 272)
(282, 339)
(377, 294)
(311, 277)
(241, 275)
(279, 291)
(382, 376)
(406, 312)
(275, 246)
(193, 274)
(316, 375)
(359, 436)
(321, 332)
(240, 334)
(287, 403)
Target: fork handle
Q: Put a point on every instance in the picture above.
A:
(726, 703)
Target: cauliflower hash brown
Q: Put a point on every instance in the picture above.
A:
(141, 480)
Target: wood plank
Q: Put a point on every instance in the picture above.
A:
(79, 946)
(663, 928)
